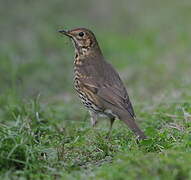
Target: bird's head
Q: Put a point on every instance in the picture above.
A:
(83, 39)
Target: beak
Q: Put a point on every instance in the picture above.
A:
(65, 32)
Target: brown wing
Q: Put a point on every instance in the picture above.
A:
(108, 86)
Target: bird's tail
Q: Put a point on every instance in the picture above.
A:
(130, 121)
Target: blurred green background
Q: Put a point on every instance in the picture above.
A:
(148, 42)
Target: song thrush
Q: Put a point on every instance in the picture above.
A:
(98, 84)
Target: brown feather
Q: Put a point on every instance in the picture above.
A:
(97, 83)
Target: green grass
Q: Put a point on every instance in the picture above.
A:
(55, 141)
(45, 132)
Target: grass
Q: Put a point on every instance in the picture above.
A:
(45, 132)
(47, 141)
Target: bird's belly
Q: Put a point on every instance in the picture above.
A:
(85, 99)
(89, 104)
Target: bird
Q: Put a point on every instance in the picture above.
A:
(98, 84)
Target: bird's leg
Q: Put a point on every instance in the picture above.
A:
(112, 119)
(93, 118)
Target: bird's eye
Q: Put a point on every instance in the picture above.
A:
(81, 34)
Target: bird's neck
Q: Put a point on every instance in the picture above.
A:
(87, 53)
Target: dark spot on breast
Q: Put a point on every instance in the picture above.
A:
(76, 56)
